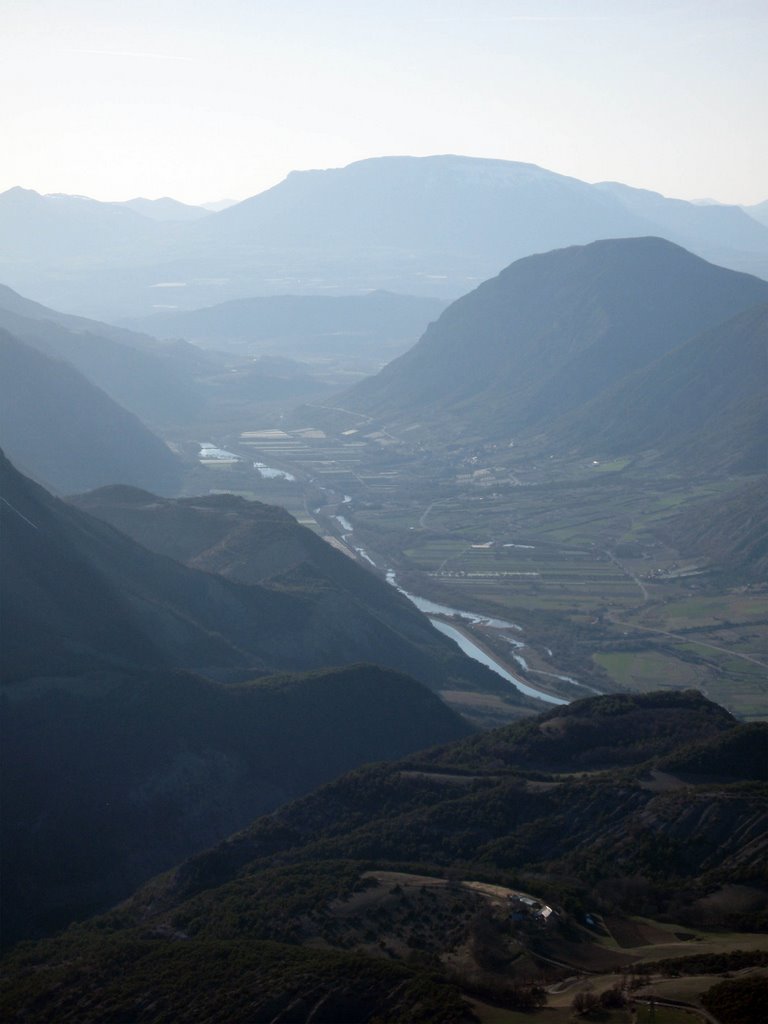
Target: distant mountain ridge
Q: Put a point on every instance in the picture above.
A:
(431, 225)
(165, 209)
(151, 379)
(376, 326)
(55, 227)
(466, 204)
(759, 212)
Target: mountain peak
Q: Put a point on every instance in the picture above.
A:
(18, 192)
(550, 333)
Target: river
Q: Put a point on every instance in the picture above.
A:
(470, 648)
(432, 608)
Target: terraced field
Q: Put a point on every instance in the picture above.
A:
(506, 573)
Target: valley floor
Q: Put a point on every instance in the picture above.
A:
(579, 553)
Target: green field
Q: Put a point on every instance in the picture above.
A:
(707, 611)
(648, 669)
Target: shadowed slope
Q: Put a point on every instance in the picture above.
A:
(77, 594)
(703, 403)
(111, 778)
(68, 433)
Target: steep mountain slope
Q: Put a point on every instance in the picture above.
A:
(551, 333)
(733, 529)
(260, 983)
(252, 543)
(758, 212)
(703, 403)
(12, 302)
(166, 383)
(241, 540)
(78, 595)
(69, 434)
(152, 380)
(382, 863)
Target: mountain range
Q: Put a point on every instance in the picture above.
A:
(426, 226)
(477, 802)
(109, 778)
(342, 612)
(455, 204)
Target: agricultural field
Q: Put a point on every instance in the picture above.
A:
(718, 644)
(640, 671)
(508, 573)
(642, 991)
(578, 553)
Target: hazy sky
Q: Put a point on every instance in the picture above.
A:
(201, 100)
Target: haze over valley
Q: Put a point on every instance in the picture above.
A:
(384, 550)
